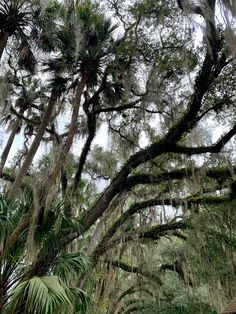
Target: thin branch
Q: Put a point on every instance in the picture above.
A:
(154, 233)
(131, 105)
(216, 148)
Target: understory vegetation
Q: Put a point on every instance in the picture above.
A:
(117, 165)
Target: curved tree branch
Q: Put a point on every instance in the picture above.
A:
(134, 270)
(143, 178)
(216, 148)
(91, 124)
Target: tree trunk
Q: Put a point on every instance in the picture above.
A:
(8, 145)
(3, 42)
(92, 131)
(34, 146)
(10, 142)
(50, 181)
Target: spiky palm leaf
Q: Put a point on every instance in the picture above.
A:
(44, 295)
(69, 266)
(47, 294)
(13, 16)
(25, 101)
(97, 42)
(11, 257)
(16, 20)
(83, 46)
(82, 302)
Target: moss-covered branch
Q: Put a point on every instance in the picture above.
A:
(154, 233)
(135, 270)
(206, 76)
(130, 105)
(216, 148)
(136, 207)
(217, 173)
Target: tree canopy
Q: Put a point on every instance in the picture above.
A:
(117, 168)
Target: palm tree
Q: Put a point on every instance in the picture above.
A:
(25, 102)
(87, 60)
(56, 90)
(92, 50)
(52, 292)
(14, 18)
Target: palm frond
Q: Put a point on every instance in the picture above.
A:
(42, 295)
(66, 221)
(51, 229)
(69, 266)
(12, 16)
(45, 28)
(10, 214)
(5, 224)
(82, 301)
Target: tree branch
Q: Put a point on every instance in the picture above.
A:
(135, 270)
(216, 148)
(91, 124)
(130, 105)
(178, 174)
(154, 233)
(136, 207)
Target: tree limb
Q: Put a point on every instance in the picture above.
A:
(178, 174)
(216, 148)
(135, 270)
(91, 124)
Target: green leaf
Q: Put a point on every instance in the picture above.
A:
(69, 266)
(44, 295)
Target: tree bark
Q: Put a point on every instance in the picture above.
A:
(92, 131)
(23, 224)
(8, 145)
(51, 180)
(10, 140)
(34, 146)
(3, 42)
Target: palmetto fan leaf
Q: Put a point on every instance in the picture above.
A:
(96, 44)
(69, 266)
(11, 267)
(47, 294)
(5, 223)
(41, 295)
(83, 46)
(11, 212)
(64, 44)
(12, 17)
(45, 28)
(16, 20)
(82, 302)
(51, 227)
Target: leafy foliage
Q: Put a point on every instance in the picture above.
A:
(132, 106)
(40, 295)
